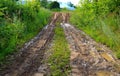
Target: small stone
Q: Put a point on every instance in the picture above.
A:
(38, 74)
(108, 57)
(103, 73)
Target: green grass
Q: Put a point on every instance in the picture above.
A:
(100, 20)
(60, 58)
(17, 30)
(104, 30)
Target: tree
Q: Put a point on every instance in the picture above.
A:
(54, 5)
(71, 4)
(44, 3)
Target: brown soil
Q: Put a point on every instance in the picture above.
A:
(29, 58)
(87, 58)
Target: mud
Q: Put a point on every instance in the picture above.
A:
(29, 58)
(89, 58)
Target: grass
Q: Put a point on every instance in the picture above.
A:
(100, 20)
(14, 34)
(102, 29)
(60, 58)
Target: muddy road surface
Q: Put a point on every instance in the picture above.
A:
(30, 56)
(87, 58)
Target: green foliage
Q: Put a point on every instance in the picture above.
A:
(1, 11)
(59, 60)
(20, 23)
(54, 5)
(44, 3)
(10, 5)
(71, 5)
(100, 19)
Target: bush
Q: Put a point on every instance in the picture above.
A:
(100, 20)
(54, 5)
(20, 23)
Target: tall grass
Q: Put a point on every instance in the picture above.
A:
(60, 53)
(103, 26)
(19, 24)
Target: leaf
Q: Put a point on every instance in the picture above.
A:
(1, 9)
(1, 14)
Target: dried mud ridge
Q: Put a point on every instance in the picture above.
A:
(30, 56)
(87, 58)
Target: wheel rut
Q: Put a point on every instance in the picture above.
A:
(28, 60)
(89, 58)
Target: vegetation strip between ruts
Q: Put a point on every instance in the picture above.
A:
(60, 58)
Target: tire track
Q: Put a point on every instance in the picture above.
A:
(29, 59)
(89, 58)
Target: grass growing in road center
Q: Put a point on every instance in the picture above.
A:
(59, 60)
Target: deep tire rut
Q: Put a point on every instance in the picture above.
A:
(27, 62)
(89, 58)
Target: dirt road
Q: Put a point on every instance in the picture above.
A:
(87, 58)
(29, 58)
